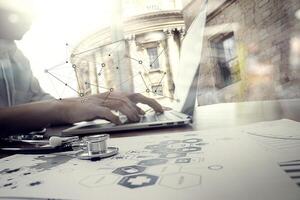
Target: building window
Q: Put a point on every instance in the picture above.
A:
(226, 60)
(153, 57)
(157, 90)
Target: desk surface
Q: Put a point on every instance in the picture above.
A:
(222, 115)
(176, 166)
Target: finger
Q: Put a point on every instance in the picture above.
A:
(166, 108)
(139, 98)
(129, 109)
(106, 113)
(132, 115)
(140, 111)
(134, 109)
(122, 104)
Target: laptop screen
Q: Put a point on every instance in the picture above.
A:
(187, 73)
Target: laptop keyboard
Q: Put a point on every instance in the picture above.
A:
(150, 117)
(154, 117)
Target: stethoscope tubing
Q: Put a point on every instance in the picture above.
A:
(35, 150)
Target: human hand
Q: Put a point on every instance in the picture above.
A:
(75, 110)
(37, 115)
(100, 106)
(126, 103)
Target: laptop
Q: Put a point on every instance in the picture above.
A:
(185, 90)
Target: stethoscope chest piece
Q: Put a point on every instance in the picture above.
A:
(96, 148)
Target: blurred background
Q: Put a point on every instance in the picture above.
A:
(251, 49)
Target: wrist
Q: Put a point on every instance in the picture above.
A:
(60, 112)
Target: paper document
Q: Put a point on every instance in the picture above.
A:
(209, 164)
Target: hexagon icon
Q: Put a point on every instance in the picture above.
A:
(197, 154)
(163, 169)
(178, 145)
(163, 151)
(152, 162)
(152, 147)
(183, 160)
(128, 170)
(189, 149)
(172, 155)
(193, 169)
(145, 156)
(192, 140)
(200, 144)
(215, 167)
(138, 180)
(98, 180)
(167, 142)
(180, 180)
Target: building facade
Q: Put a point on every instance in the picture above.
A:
(251, 50)
(152, 43)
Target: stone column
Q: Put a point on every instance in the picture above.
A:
(93, 74)
(173, 61)
(146, 74)
(135, 66)
(122, 67)
(101, 72)
(164, 67)
(83, 76)
(182, 33)
(78, 70)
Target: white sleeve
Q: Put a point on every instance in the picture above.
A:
(38, 93)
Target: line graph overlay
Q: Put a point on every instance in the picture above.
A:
(81, 91)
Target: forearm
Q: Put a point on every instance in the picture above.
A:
(37, 115)
(32, 116)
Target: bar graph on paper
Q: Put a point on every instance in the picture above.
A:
(292, 168)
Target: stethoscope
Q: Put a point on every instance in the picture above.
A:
(96, 148)
(87, 148)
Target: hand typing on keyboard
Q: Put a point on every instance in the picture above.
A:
(149, 117)
(124, 119)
